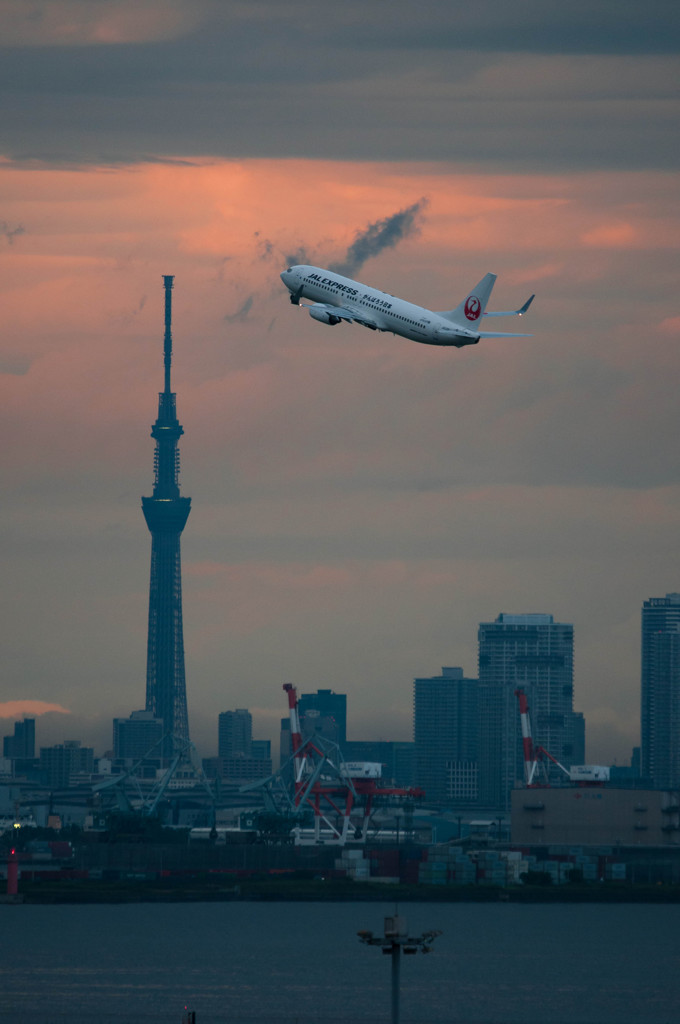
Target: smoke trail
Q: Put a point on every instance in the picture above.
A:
(11, 233)
(299, 255)
(383, 234)
(241, 313)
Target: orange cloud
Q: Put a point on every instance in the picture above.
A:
(17, 708)
(534, 273)
(615, 235)
(81, 285)
(671, 325)
(94, 240)
(81, 22)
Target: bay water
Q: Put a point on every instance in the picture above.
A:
(281, 963)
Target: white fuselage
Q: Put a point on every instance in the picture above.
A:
(373, 308)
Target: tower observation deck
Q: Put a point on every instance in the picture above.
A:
(166, 513)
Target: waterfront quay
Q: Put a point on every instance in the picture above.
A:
(71, 870)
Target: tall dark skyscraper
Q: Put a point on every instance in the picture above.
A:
(660, 691)
(445, 719)
(22, 744)
(166, 514)
(324, 712)
(235, 733)
(537, 654)
(137, 736)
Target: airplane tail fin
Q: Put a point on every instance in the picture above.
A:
(471, 310)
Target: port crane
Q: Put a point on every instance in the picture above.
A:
(134, 795)
(341, 795)
(535, 758)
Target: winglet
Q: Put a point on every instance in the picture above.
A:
(514, 312)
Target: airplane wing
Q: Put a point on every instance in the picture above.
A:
(323, 310)
(343, 313)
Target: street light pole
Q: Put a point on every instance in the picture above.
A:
(396, 939)
(396, 965)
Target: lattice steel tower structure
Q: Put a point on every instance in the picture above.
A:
(166, 514)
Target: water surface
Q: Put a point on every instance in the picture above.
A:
(302, 962)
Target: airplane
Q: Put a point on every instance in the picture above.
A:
(335, 298)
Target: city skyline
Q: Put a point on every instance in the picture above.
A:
(360, 504)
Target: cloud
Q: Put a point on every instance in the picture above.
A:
(550, 85)
(580, 27)
(29, 708)
(614, 235)
(670, 325)
(88, 22)
(381, 235)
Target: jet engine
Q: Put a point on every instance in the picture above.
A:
(456, 337)
(321, 313)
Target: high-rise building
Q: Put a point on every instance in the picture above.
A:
(240, 757)
(536, 654)
(58, 764)
(235, 734)
(137, 737)
(166, 514)
(660, 691)
(324, 713)
(445, 717)
(20, 746)
(261, 750)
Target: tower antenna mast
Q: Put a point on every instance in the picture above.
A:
(168, 280)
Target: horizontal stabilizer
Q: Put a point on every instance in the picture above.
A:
(502, 334)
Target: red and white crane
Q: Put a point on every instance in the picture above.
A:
(295, 733)
(342, 795)
(580, 774)
(533, 755)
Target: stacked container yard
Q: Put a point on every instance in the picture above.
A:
(354, 864)
(384, 863)
(446, 866)
(514, 866)
(491, 868)
(587, 864)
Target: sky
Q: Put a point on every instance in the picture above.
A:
(360, 503)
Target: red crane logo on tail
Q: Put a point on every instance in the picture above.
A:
(473, 308)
